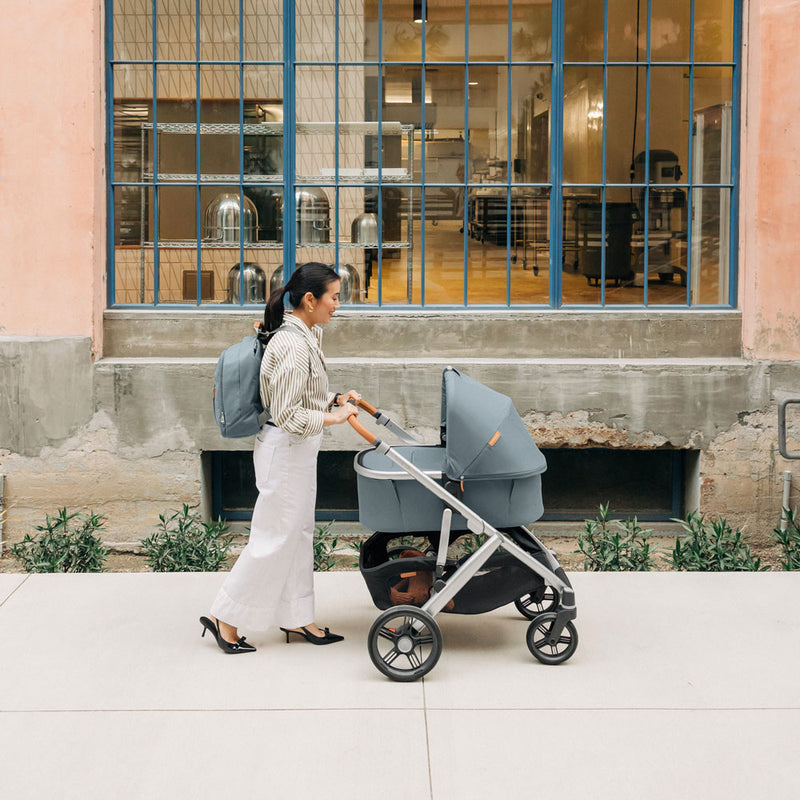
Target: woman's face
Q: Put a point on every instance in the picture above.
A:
(325, 306)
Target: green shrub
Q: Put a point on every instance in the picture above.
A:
(185, 543)
(712, 546)
(789, 540)
(469, 543)
(65, 543)
(324, 547)
(614, 545)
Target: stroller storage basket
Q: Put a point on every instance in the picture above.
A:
(502, 579)
(390, 500)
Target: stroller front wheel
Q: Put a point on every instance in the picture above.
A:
(544, 646)
(404, 643)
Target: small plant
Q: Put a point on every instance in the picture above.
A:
(712, 546)
(183, 542)
(324, 547)
(356, 546)
(789, 540)
(65, 543)
(614, 545)
(470, 543)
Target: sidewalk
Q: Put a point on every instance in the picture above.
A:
(683, 686)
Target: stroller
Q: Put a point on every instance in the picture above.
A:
(482, 481)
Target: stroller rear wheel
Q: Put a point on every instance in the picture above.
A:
(404, 643)
(544, 647)
(537, 602)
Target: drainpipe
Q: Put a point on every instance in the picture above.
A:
(786, 453)
(787, 488)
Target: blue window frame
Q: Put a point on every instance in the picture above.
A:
(572, 153)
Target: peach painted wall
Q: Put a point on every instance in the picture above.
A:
(52, 200)
(769, 255)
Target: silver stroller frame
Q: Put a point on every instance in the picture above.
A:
(544, 637)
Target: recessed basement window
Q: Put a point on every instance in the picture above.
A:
(650, 484)
(234, 493)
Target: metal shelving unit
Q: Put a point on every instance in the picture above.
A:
(366, 178)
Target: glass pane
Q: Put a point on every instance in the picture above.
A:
(627, 30)
(713, 30)
(444, 145)
(625, 118)
(359, 227)
(133, 110)
(710, 246)
(268, 202)
(219, 31)
(401, 265)
(531, 30)
(444, 34)
(530, 124)
(444, 251)
(177, 120)
(175, 30)
(133, 261)
(133, 30)
(177, 214)
(315, 22)
(580, 238)
(669, 127)
(352, 30)
(354, 137)
(263, 118)
(401, 37)
(670, 30)
(583, 124)
(316, 113)
(177, 239)
(530, 243)
(488, 245)
(488, 123)
(402, 102)
(583, 30)
(712, 118)
(220, 142)
(488, 31)
(263, 30)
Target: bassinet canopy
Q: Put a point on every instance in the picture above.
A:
(484, 436)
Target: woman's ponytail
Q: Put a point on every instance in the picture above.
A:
(273, 313)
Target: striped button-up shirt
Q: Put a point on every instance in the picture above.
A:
(294, 382)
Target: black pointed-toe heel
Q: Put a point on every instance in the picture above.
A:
(231, 648)
(327, 638)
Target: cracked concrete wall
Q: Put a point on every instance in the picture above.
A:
(125, 437)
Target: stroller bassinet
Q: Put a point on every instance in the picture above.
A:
(483, 478)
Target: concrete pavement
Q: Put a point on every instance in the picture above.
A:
(683, 686)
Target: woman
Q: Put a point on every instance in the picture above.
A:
(272, 580)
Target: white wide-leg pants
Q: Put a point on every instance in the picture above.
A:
(272, 581)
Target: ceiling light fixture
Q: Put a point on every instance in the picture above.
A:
(420, 12)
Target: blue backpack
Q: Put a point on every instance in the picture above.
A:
(237, 387)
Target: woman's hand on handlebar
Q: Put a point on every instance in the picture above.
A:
(352, 394)
(340, 415)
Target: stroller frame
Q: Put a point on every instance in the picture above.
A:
(443, 591)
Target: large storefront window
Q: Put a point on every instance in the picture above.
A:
(522, 153)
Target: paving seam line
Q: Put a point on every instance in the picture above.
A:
(15, 589)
